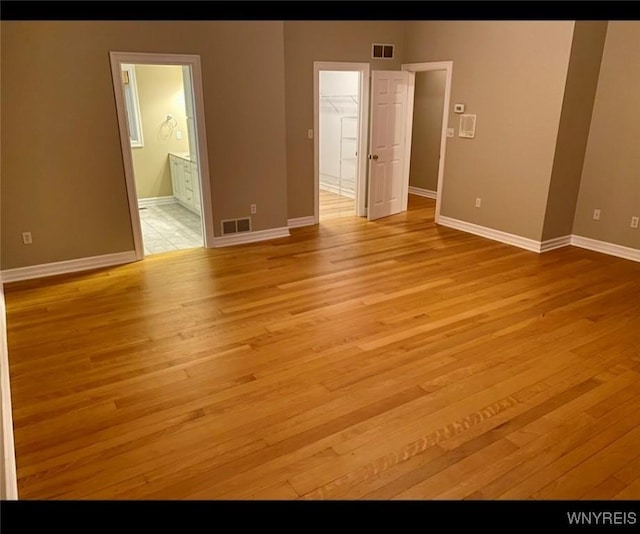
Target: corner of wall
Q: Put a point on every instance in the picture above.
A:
(573, 129)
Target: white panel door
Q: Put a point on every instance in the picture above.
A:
(389, 97)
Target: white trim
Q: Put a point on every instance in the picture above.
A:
(363, 135)
(427, 193)
(421, 67)
(250, 237)
(193, 61)
(556, 242)
(612, 249)
(156, 201)
(301, 221)
(9, 483)
(125, 147)
(68, 266)
(408, 137)
(490, 233)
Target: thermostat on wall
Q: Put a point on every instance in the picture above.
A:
(458, 108)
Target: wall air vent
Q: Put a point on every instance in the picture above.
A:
(235, 226)
(244, 225)
(467, 126)
(382, 51)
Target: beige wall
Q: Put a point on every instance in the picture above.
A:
(427, 129)
(62, 170)
(512, 75)
(61, 162)
(611, 173)
(160, 93)
(306, 42)
(577, 106)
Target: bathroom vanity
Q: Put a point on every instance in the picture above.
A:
(185, 181)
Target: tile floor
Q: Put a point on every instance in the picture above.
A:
(169, 227)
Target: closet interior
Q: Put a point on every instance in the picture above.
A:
(338, 143)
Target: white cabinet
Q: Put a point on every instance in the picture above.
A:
(177, 178)
(185, 182)
(196, 188)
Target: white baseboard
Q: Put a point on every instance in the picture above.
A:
(422, 192)
(612, 249)
(301, 221)
(68, 266)
(497, 235)
(556, 242)
(9, 489)
(250, 237)
(156, 201)
(337, 190)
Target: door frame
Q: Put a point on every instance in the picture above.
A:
(412, 68)
(117, 59)
(363, 133)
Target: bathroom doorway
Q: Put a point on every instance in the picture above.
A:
(167, 179)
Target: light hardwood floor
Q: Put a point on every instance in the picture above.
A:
(332, 206)
(378, 360)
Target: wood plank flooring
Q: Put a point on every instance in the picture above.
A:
(332, 206)
(377, 360)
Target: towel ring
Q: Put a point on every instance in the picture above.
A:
(171, 121)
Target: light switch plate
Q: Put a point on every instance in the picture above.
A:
(450, 132)
(310, 134)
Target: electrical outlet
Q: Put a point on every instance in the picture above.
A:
(450, 132)
(596, 215)
(310, 134)
(26, 238)
(253, 208)
(178, 134)
(478, 202)
(634, 222)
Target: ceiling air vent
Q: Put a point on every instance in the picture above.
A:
(234, 226)
(382, 51)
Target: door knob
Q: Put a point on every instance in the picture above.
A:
(373, 156)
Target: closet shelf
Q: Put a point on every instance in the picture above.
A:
(351, 97)
(331, 98)
(345, 108)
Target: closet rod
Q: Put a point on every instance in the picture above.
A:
(351, 97)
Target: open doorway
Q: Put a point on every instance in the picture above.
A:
(427, 127)
(383, 158)
(341, 94)
(159, 107)
(164, 157)
(339, 121)
(426, 136)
